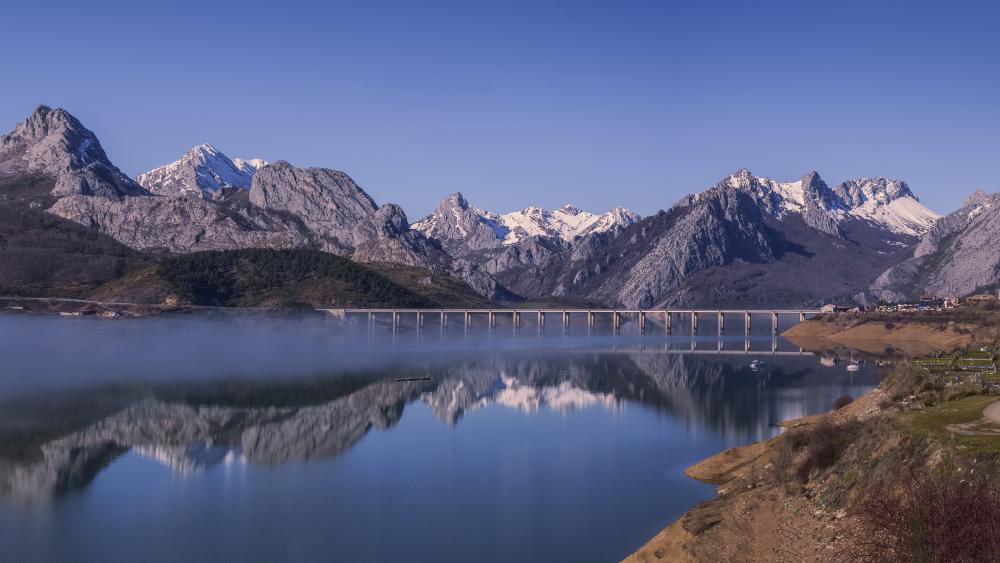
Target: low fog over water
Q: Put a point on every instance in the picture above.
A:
(182, 438)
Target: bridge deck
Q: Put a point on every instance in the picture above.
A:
(580, 311)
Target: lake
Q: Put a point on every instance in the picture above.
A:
(306, 440)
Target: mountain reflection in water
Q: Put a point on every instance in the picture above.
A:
(71, 435)
(213, 439)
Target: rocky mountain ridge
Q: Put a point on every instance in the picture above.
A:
(958, 256)
(462, 227)
(747, 239)
(887, 203)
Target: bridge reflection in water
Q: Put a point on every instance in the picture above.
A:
(663, 321)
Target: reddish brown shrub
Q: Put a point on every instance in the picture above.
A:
(930, 517)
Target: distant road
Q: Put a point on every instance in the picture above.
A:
(126, 304)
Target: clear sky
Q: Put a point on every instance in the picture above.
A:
(517, 103)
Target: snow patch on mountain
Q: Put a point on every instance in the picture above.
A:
(249, 166)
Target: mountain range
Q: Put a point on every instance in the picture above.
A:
(748, 240)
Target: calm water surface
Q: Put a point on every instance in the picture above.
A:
(250, 441)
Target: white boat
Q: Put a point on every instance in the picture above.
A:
(853, 367)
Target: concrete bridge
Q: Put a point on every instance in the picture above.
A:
(688, 317)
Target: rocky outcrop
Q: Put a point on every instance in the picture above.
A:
(328, 202)
(53, 143)
(181, 224)
(391, 240)
(817, 201)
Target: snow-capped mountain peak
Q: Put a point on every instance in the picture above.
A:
(886, 202)
(567, 222)
(457, 223)
(201, 172)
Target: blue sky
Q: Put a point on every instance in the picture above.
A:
(518, 103)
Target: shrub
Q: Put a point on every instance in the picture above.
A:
(842, 402)
(929, 516)
(824, 442)
(904, 379)
(782, 459)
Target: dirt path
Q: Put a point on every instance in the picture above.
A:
(989, 425)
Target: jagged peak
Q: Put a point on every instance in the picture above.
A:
(44, 112)
(53, 142)
(979, 197)
(205, 148)
(570, 209)
(42, 121)
(811, 176)
(455, 199)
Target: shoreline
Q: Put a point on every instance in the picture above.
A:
(735, 471)
(728, 470)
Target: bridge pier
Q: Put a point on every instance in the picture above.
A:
(618, 318)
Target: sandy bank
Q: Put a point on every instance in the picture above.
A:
(875, 337)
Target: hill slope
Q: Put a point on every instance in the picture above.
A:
(279, 277)
(44, 255)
